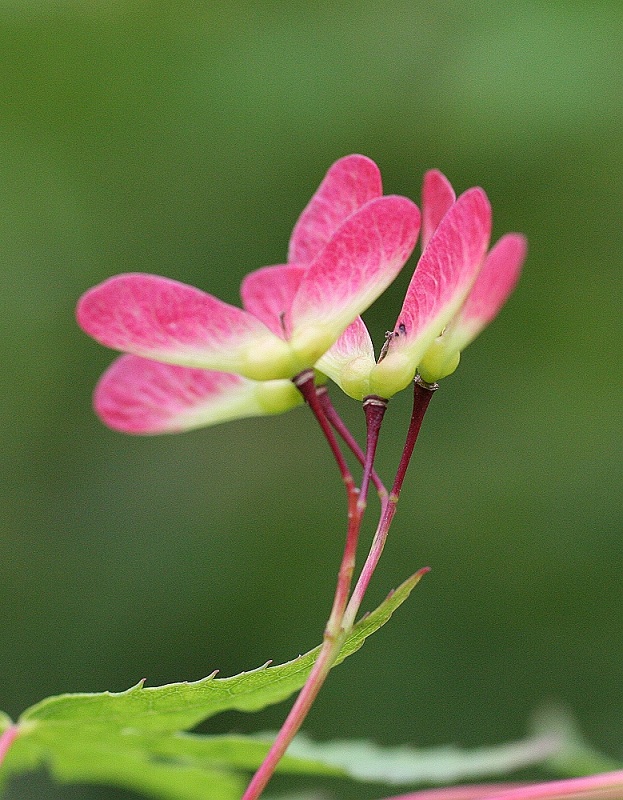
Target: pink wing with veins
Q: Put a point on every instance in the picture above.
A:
(165, 320)
(348, 185)
(494, 284)
(139, 396)
(268, 293)
(445, 273)
(359, 262)
(437, 199)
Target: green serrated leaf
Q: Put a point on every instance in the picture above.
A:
(366, 761)
(171, 767)
(180, 706)
(133, 765)
(239, 752)
(132, 739)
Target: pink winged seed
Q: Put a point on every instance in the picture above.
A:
(495, 282)
(160, 318)
(359, 262)
(268, 293)
(447, 268)
(348, 185)
(437, 198)
(355, 342)
(136, 395)
(354, 345)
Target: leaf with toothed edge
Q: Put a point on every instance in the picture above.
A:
(134, 738)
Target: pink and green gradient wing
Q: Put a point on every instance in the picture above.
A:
(359, 262)
(349, 361)
(444, 276)
(494, 284)
(268, 293)
(139, 396)
(348, 185)
(168, 321)
(437, 199)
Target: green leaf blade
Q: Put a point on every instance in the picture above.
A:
(180, 706)
(405, 765)
(132, 739)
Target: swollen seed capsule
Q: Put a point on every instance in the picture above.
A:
(274, 397)
(393, 374)
(438, 362)
(269, 359)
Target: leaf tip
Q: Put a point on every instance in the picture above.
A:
(421, 572)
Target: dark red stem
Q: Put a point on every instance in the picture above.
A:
(374, 409)
(422, 394)
(304, 382)
(349, 440)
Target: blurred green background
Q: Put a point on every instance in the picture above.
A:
(184, 139)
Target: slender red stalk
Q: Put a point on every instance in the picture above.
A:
(604, 786)
(343, 611)
(334, 632)
(304, 382)
(476, 791)
(295, 718)
(338, 424)
(374, 409)
(332, 643)
(422, 394)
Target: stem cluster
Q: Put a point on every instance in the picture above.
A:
(346, 604)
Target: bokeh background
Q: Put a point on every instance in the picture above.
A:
(184, 139)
